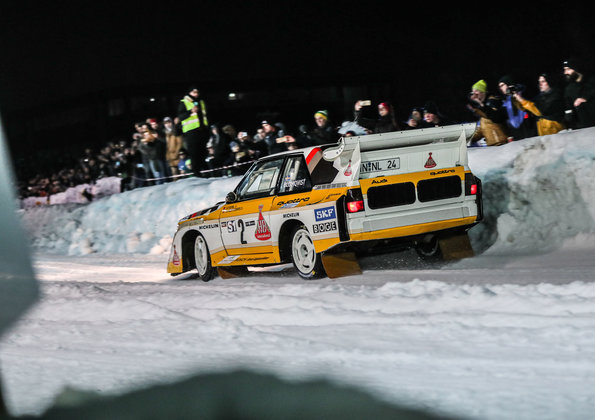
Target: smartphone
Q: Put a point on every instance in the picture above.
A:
(367, 102)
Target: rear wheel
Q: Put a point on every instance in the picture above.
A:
(303, 255)
(429, 249)
(202, 259)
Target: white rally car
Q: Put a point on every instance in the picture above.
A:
(320, 207)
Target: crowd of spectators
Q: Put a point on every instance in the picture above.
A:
(155, 153)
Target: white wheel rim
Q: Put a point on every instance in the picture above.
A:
(201, 255)
(304, 254)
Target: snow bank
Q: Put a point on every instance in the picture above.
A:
(538, 193)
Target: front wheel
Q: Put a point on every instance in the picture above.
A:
(202, 259)
(303, 255)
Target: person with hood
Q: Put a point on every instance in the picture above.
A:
(579, 94)
(218, 149)
(491, 113)
(547, 107)
(433, 117)
(385, 123)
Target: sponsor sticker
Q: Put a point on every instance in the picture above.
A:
(229, 259)
(324, 227)
(325, 213)
(430, 163)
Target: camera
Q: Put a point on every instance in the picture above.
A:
(514, 88)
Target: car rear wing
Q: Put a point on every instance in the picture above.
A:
(347, 154)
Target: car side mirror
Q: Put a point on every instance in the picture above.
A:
(231, 197)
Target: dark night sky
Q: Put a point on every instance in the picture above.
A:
(50, 52)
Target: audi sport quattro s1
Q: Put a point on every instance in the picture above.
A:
(319, 207)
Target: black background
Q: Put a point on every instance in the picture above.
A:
(59, 52)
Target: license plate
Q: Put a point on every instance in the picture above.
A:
(380, 165)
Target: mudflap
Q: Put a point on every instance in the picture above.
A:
(232, 272)
(456, 247)
(340, 265)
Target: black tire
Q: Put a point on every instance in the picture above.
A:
(428, 249)
(202, 259)
(306, 261)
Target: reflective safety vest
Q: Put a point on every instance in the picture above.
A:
(193, 121)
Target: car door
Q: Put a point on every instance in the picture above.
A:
(245, 223)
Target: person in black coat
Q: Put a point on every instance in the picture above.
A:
(579, 95)
(385, 123)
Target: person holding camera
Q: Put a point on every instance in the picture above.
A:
(385, 123)
(491, 113)
(547, 107)
(517, 121)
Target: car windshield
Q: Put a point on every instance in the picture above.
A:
(261, 180)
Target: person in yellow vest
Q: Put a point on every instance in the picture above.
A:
(192, 113)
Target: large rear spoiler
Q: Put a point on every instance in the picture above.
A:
(348, 148)
(394, 139)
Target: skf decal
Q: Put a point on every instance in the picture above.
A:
(430, 163)
(325, 213)
(324, 227)
(263, 233)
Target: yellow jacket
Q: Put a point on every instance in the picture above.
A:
(544, 127)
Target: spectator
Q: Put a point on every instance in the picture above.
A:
(323, 132)
(416, 119)
(150, 148)
(259, 135)
(547, 107)
(255, 150)
(275, 139)
(184, 164)
(385, 122)
(579, 95)
(491, 113)
(517, 120)
(217, 149)
(173, 142)
(433, 117)
(192, 113)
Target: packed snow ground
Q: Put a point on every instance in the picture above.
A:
(506, 334)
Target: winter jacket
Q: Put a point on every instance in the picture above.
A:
(548, 107)
(384, 124)
(584, 113)
(174, 144)
(492, 122)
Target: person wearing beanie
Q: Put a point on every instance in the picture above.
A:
(324, 132)
(547, 107)
(491, 113)
(579, 95)
(518, 122)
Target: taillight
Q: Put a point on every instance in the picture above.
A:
(470, 184)
(354, 201)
